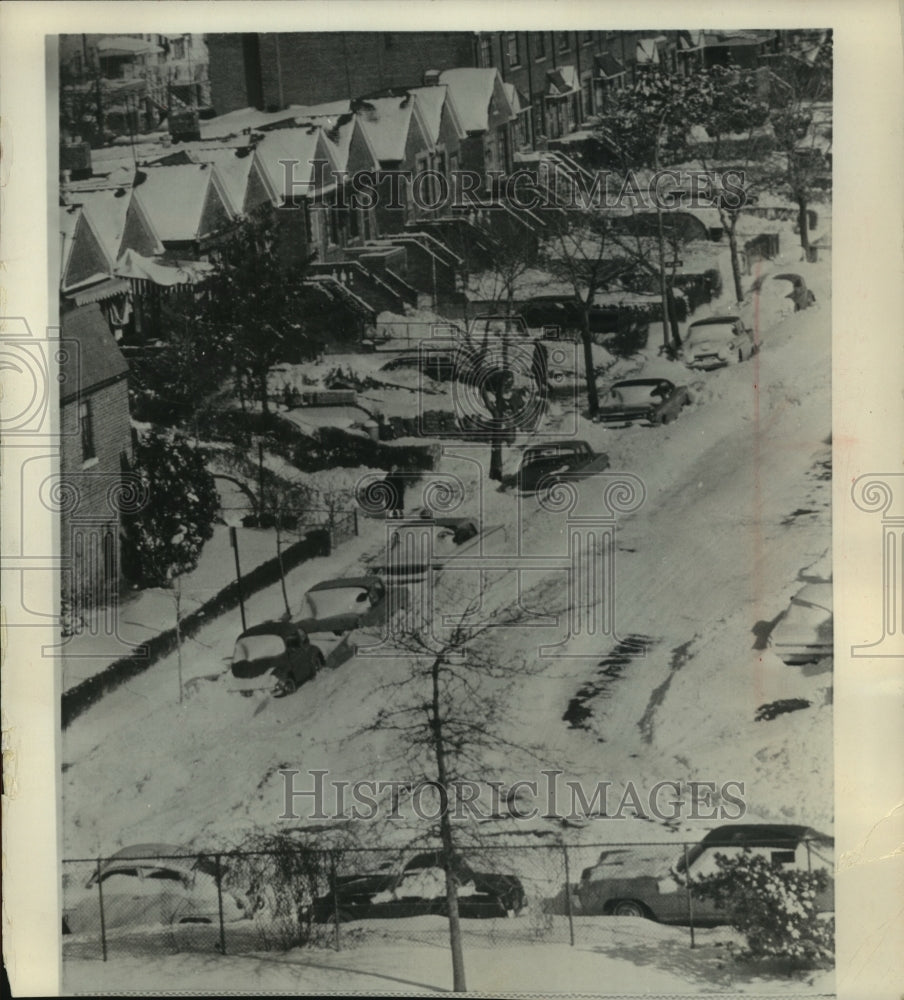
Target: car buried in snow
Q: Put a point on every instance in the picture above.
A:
(151, 885)
(657, 882)
(544, 465)
(335, 610)
(275, 657)
(418, 889)
(652, 400)
(803, 633)
(716, 342)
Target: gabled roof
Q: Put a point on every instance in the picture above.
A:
(233, 166)
(472, 90)
(432, 102)
(339, 131)
(387, 122)
(83, 260)
(108, 211)
(302, 148)
(98, 360)
(175, 198)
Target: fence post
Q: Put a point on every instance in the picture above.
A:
(690, 895)
(335, 894)
(103, 927)
(355, 520)
(220, 905)
(568, 907)
(809, 857)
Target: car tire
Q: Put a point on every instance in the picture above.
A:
(318, 662)
(630, 908)
(740, 355)
(285, 687)
(666, 418)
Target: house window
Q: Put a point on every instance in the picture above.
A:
(512, 49)
(586, 37)
(541, 44)
(86, 430)
(562, 37)
(486, 50)
(779, 858)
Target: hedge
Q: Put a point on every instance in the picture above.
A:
(92, 689)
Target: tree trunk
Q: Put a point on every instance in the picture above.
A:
(445, 830)
(282, 572)
(593, 399)
(262, 388)
(735, 260)
(802, 222)
(177, 597)
(673, 316)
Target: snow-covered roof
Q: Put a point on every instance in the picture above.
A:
(387, 122)
(75, 226)
(174, 198)
(166, 274)
(108, 211)
(302, 148)
(233, 165)
(472, 91)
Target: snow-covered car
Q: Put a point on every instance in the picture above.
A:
(653, 882)
(418, 888)
(803, 633)
(491, 325)
(335, 609)
(548, 463)
(789, 289)
(654, 400)
(277, 657)
(149, 885)
(717, 341)
(438, 365)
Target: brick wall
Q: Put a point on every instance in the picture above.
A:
(91, 514)
(315, 67)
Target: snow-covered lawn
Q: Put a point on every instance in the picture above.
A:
(623, 957)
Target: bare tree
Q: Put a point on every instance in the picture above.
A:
(446, 713)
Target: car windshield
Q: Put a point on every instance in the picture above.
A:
(710, 333)
(633, 395)
(802, 612)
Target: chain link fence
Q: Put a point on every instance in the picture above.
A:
(281, 897)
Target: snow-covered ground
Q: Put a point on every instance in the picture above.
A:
(736, 515)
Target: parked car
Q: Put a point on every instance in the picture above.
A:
(789, 286)
(653, 882)
(804, 631)
(335, 609)
(277, 657)
(152, 884)
(655, 400)
(492, 325)
(551, 461)
(717, 341)
(441, 366)
(419, 888)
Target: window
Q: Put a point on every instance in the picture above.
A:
(486, 50)
(562, 40)
(586, 37)
(86, 429)
(779, 858)
(540, 46)
(512, 49)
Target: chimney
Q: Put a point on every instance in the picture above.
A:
(431, 77)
